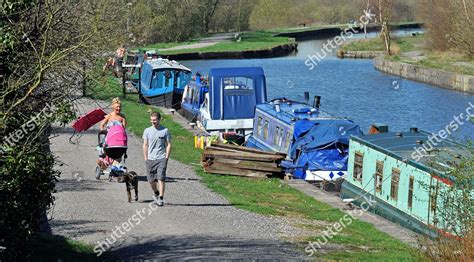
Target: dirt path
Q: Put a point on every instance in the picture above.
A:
(195, 223)
(204, 42)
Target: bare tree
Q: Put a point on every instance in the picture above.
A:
(384, 17)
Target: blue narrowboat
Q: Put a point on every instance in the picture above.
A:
(315, 142)
(226, 103)
(162, 82)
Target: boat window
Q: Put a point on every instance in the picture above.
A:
(378, 176)
(196, 96)
(157, 80)
(410, 191)
(259, 127)
(287, 140)
(280, 138)
(358, 166)
(394, 185)
(265, 130)
(276, 136)
(434, 200)
(238, 83)
(191, 97)
(184, 78)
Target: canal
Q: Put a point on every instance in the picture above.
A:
(356, 90)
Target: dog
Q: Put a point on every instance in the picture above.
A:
(131, 182)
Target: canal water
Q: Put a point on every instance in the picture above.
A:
(353, 88)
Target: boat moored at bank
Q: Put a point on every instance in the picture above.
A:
(316, 143)
(162, 82)
(226, 101)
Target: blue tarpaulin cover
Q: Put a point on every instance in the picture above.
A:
(237, 102)
(321, 145)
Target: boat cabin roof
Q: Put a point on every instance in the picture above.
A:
(162, 63)
(433, 155)
(289, 111)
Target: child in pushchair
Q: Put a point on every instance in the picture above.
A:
(112, 149)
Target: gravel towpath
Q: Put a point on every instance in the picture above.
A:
(195, 222)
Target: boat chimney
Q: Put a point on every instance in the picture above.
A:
(306, 97)
(277, 106)
(317, 101)
(414, 130)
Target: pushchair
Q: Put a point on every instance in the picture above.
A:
(112, 149)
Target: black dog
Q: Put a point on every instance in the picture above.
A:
(131, 182)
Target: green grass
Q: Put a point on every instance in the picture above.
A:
(266, 196)
(57, 248)
(437, 60)
(249, 41)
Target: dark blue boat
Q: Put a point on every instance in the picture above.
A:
(227, 102)
(162, 82)
(316, 143)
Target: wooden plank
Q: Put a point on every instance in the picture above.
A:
(236, 151)
(254, 167)
(214, 154)
(236, 155)
(245, 162)
(246, 149)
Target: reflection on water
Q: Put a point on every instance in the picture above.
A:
(354, 89)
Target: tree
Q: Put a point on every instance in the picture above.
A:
(384, 17)
(43, 46)
(209, 7)
(455, 208)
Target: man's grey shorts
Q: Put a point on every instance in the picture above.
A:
(156, 169)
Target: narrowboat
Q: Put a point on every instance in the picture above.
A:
(226, 102)
(404, 174)
(315, 142)
(162, 82)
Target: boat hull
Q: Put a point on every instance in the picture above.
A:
(168, 100)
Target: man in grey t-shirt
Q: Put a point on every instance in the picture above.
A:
(156, 151)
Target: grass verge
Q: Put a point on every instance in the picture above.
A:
(361, 241)
(249, 41)
(437, 60)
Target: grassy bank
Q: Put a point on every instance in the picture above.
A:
(360, 240)
(248, 41)
(412, 50)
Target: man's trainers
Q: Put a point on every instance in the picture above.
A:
(157, 200)
(161, 202)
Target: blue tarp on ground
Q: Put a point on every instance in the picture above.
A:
(321, 144)
(230, 97)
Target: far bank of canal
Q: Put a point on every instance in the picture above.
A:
(356, 90)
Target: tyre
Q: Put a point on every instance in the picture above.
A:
(98, 172)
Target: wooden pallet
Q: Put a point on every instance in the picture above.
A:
(240, 161)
